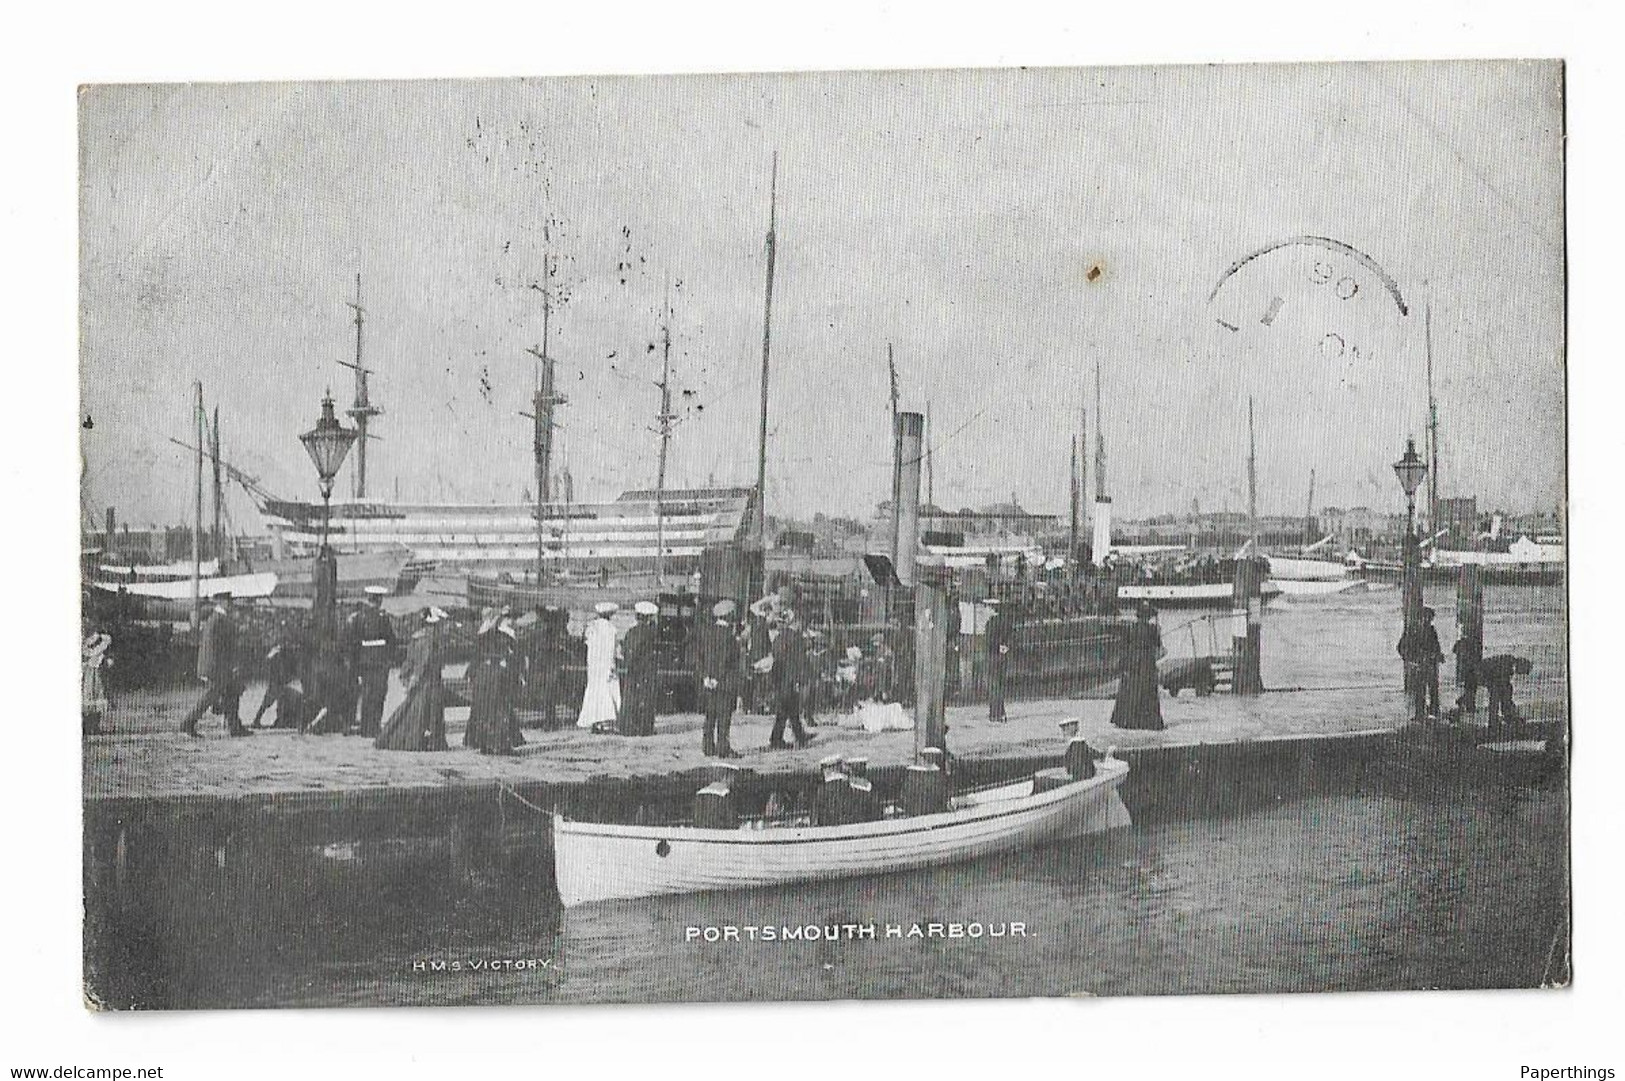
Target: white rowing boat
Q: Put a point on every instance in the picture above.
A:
(597, 862)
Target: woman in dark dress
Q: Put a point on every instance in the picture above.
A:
(419, 723)
(492, 680)
(1137, 705)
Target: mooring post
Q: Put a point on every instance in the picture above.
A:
(1470, 629)
(1247, 646)
(930, 660)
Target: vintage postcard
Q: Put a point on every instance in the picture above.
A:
(821, 536)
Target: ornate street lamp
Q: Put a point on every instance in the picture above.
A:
(1411, 471)
(327, 444)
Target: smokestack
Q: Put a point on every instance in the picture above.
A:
(1103, 530)
(910, 440)
(111, 528)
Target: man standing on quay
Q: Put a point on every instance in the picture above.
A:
(217, 667)
(717, 666)
(372, 652)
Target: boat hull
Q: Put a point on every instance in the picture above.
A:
(1318, 588)
(242, 586)
(1204, 595)
(596, 862)
(1499, 574)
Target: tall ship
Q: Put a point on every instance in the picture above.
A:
(628, 535)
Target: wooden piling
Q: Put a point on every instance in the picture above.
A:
(1247, 647)
(930, 661)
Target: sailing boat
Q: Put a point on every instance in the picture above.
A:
(1310, 571)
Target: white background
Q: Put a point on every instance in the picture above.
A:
(42, 58)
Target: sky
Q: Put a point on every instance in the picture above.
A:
(1005, 231)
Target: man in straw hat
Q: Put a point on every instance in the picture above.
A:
(217, 667)
(640, 672)
(372, 655)
(601, 702)
(716, 666)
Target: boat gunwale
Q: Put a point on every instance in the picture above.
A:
(1113, 772)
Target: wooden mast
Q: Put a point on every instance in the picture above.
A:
(1433, 425)
(543, 400)
(197, 507)
(363, 410)
(896, 456)
(1309, 512)
(214, 459)
(665, 421)
(1252, 481)
(767, 338)
(1100, 443)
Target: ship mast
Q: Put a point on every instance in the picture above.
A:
(664, 420)
(214, 459)
(1100, 443)
(363, 410)
(1433, 426)
(197, 507)
(767, 336)
(1309, 512)
(896, 455)
(1252, 480)
(930, 471)
(543, 400)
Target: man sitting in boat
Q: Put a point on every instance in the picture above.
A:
(866, 805)
(836, 801)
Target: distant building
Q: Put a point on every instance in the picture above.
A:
(1005, 522)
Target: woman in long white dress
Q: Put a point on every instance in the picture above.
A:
(602, 701)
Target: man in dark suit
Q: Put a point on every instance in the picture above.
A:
(789, 674)
(217, 667)
(1420, 652)
(372, 654)
(997, 629)
(640, 672)
(717, 669)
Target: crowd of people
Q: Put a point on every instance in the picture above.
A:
(766, 660)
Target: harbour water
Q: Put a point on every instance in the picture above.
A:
(1349, 879)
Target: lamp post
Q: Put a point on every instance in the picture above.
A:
(1411, 470)
(327, 444)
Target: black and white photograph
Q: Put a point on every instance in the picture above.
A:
(659, 540)
(847, 535)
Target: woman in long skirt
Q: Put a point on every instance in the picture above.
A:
(602, 700)
(492, 680)
(1137, 703)
(419, 723)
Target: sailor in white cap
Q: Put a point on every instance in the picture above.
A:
(717, 666)
(866, 805)
(834, 804)
(372, 653)
(601, 702)
(640, 672)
